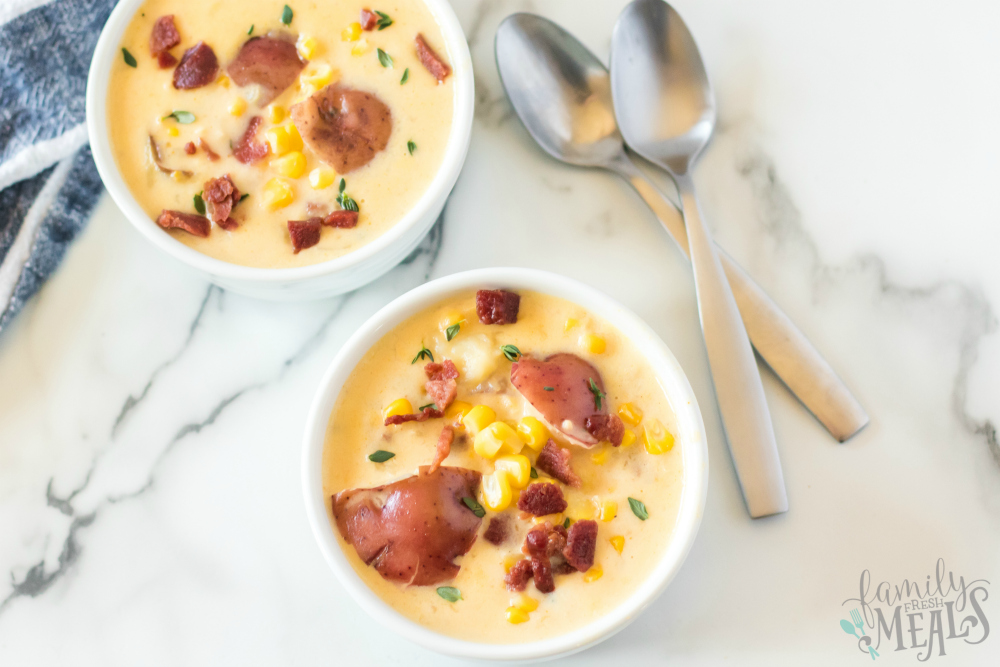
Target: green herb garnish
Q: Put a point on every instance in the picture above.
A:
(534, 473)
(406, 76)
(566, 523)
(383, 20)
(549, 388)
(384, 58)
(424, 353)
(598, 394)
(345, 200)
(453, 330)
(182, 117)
(638, 508)
(129, 58)
(380, 456)
(286, 15)
(243, 196)
(450, 593)
(250, 31)
(199, 203)
(429, 405)
(410, 146)
(511, 352)
(476, 508)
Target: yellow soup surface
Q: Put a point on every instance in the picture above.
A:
(627, 548)
(328, 36)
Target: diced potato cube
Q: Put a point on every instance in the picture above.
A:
(476, 356)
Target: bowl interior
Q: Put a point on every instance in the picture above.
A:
(690, 437)
(458, 143)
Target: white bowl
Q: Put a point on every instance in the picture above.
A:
(307, 282)
(690, 438)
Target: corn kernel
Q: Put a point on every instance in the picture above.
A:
(173, 131)
(224, 81)
(618, 542)
(510, 560)
(317, 77)
(178, 175)
(533, 433)
(600, 457)
(277, 194)
(630, 414)
(307, 47)
(593, 574)
(518, 467)
(450, 318)
(496, 491)
(581, 509)
(361, 48)
(322, 177)
(628, 438)
(276, 113)
(400, 406)
(456, 412)
(609, 510)
(655, 438)
(478, 418)
(496, 438)
(351, 33)
(292, 165)
(593, 343)
(524, 602)
(570, 323)
(554, 519)
(515, 615)
(238, 106)
(284, 139)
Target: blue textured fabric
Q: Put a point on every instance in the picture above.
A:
(44, 58)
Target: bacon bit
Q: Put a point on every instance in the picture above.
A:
(498, 530)
(562, 567)
(605, 427)
(342, 219)
(541, 499)
(212, 155)
(197, 68)
(441, 385)
(422, 416)
(190, 148)
(164, 36)
(497, 306)
(166, 60)
(228, 224)
(517, 578)
(369, 19)
(221, 195)
(581, 542)
(246, 149)
(443, 448)
(157, 159)
(541, 570)
(544, 541)
(437, 67)
(189, 222)
(304, 233)
(553, 460)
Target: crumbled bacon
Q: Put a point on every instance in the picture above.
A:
(497, 306)
(422, 416)
(541, 499)
(197, 68)
(544, 541)
(432, 61)
(553, 460)
(498, 530)
(517, 578)
(343, 219)
(247, 150)
(189, 222)
(212, 155)
(190, 148)
(441, 385)
(221, 195)
(228, 224)
(562, 567)
(581, 542)
(443, 448)
(541, 570)
(164, 36)
(369, 19)
(605, 427)
(304, 233)
(166, 60)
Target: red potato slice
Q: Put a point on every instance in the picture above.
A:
(410, 531)
(570, 402)
(272, 62)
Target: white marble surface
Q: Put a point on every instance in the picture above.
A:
(150, 424)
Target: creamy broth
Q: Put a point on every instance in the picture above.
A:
(385, 189)
(545, 325)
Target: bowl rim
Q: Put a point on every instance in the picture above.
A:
(691, 438)
(440, 187)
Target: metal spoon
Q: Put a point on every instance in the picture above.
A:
(562, 93)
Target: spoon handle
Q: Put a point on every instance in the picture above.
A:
(738, 389)
(775, 337)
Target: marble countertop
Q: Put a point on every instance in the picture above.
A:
(151, 424)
